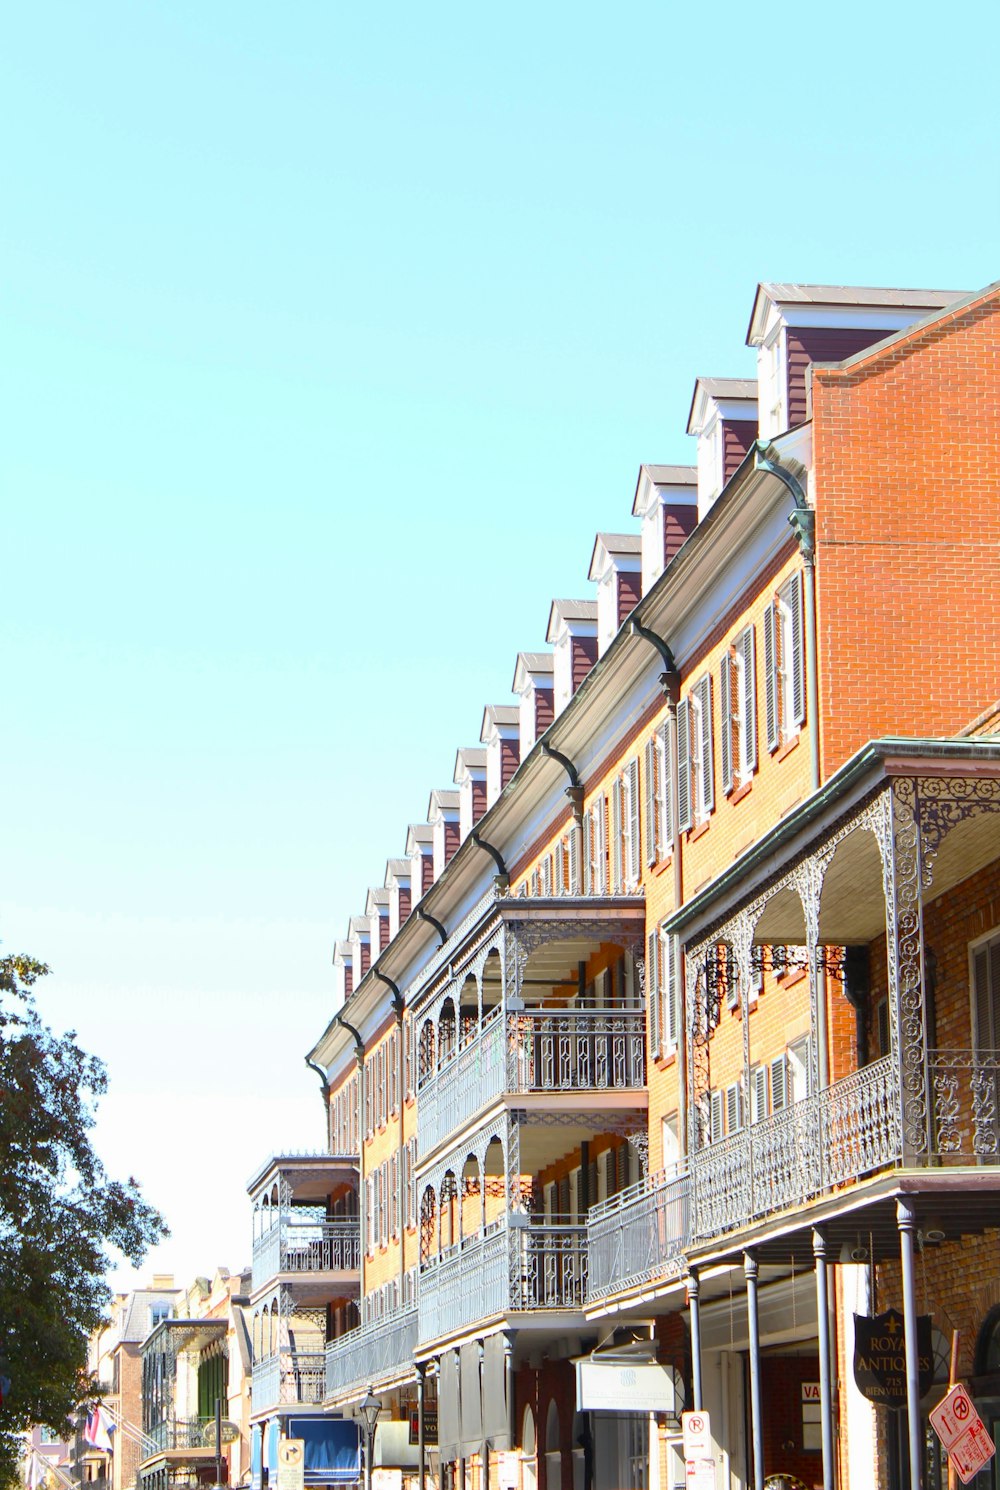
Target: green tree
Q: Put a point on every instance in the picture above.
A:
(59, 1214)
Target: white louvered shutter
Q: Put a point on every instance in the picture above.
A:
(633, 854)
(671, 994)
(758, 1094)
(653, 990)
(685, 817)
(650, 763)
(560, 861)
(601, 845)
(615, 855)
(734, 1108)
(771, 680)
(588, 852)
(705, 725)
(726, 721)
(797, 661)
(748, 702)
(575, 834)
(779, 1083)
(666, 805)
(716, 1120)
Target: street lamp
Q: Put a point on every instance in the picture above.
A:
(369, 1408)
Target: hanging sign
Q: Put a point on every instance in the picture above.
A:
(963, 1433)
(880, 1357)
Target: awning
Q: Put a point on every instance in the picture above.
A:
(449, 1420)
(332, 1449)
(496, 1409)
(471, 1401)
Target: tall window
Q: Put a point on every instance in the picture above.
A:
(738, 712)
(784, 663)
(659, 824)
(695, 780)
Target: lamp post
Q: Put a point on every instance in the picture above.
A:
(369, 1408)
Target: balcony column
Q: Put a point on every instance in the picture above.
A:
(906, 1220)
(756, 1413)
(825, 1384)
(694, 1305)
(421, 1431)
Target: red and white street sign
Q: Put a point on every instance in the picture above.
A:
(700, 1474)
(697, 1435)
(963, 1433)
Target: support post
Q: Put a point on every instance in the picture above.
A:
(756, 1413)
(421, 1431)
(694, 1305)
(906, 1220)
(825, 1382)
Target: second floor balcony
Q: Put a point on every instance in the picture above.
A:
(376, 1353)
(179, 1433)
(515, 1267)
(301, 1246)
(288, 1378)
(638, 1235)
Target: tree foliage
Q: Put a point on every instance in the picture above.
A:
(59, 1214)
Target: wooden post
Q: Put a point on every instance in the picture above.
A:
(952, 1380)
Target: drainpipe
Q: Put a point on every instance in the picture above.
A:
(359, 1056)
(325, 1086)
(802, 521)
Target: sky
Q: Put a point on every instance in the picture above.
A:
(331, 335)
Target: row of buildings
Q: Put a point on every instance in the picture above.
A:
(670, 1042)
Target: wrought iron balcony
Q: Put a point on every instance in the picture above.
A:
(509, 1269)
(638, 1235)
(308, 1245)
(287, 1378)
(179, 1433)
(372, 1353)
(533, 1050)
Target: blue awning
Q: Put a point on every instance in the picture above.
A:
(271, 1438)
(333, 1449)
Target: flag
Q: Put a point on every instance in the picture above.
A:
(99, 1429)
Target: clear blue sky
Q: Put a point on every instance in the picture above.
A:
(331, 335)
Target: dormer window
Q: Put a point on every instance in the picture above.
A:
(572, 632)
(501, 736)
(724, 418)
(443, 817)
(616, 567)
(398, 883)
(420, 853)
(470, 778)
(666, 501)
(533, 684)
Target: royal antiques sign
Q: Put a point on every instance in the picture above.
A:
(880, 1357)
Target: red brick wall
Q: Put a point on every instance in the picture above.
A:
(781, 1390)
(906, 450)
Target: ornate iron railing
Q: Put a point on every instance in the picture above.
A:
(382, 1349)
(464, 1284)
(965, 1105)
(548, 1267)
(306, 1246)
(830, 1138)
(534, 1050)
(180, 1433)
(639, 1234)
(469, 1081)
(288, 1377)
(574, 1050)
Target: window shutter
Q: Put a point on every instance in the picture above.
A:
(707, 779)
(734, 1108)
(547, 875)
(633, 868)
(671, 1001)
(650, 801)
(770, 679)
(798, 658)
(653, 990)
(882, 1016)
(588, 853)
(715, 1131)
(726, 721)
(758, 1094)
(684, 813)
(574, 859)
(616, 836)
(666, 799)
(779, 1083)
(749, 702)
(601, 845)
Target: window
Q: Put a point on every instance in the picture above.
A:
(671, 1145)
(734, 1108)
(715, 1117)
(695, 783)
(758, 1094)
(662, 985)
(659, 826)
(615, 838)
(798, 1069)
(630, 825)
(784, 664)
(738, 712)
